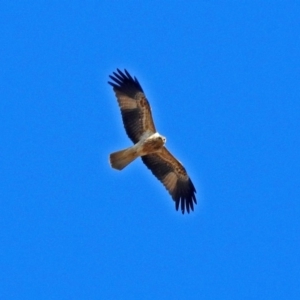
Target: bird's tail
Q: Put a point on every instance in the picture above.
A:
(120, 159)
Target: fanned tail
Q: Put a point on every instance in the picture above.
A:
(120, 159)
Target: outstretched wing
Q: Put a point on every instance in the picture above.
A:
(135, 109)
(174, 177)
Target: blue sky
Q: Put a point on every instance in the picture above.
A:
(222, 78)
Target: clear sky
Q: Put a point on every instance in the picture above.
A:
(223, 80)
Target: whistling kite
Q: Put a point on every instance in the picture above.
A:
(148, 143)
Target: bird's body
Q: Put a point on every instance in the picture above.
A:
(148, 143)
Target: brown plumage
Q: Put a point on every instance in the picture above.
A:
(148, 143)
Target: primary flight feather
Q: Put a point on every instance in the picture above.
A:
(148, 143)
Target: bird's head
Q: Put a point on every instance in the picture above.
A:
(162, 138)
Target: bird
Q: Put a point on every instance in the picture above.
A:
(148, 143)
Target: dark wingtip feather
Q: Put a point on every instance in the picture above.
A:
(112, 84)
(123, 82)
(185, 197)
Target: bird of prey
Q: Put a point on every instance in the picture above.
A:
(148, 143)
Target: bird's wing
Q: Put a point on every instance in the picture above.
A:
(174, 177)
(135, 109)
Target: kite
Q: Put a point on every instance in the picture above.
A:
(148, 143)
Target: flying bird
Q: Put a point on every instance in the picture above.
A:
(148, 143)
